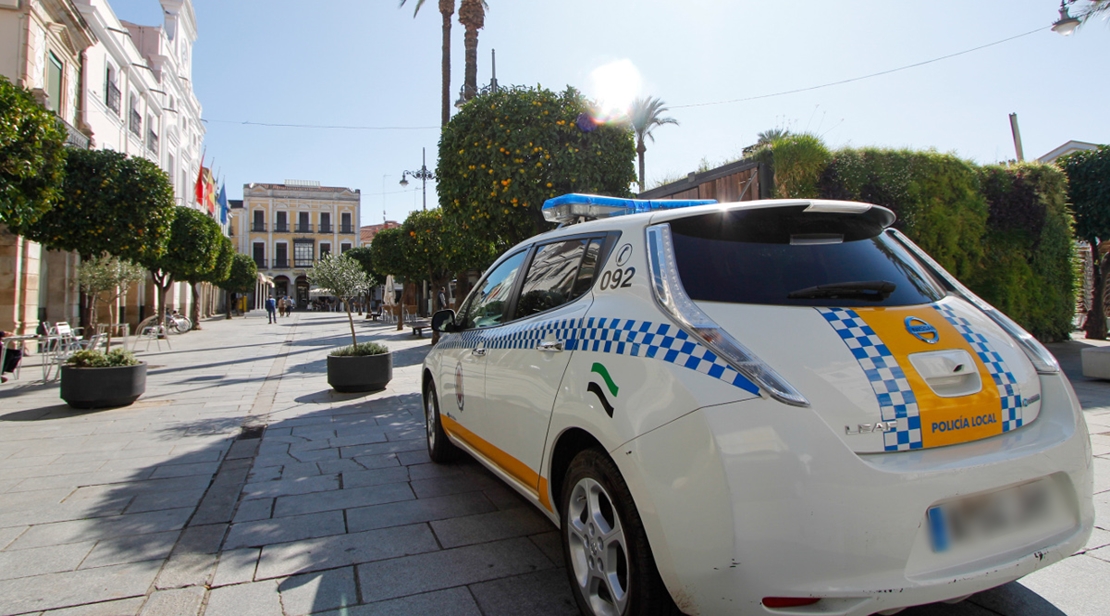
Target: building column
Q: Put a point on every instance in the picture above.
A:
(19, 283)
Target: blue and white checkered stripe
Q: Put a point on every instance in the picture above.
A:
(896, 400)
(1003, 378)
(660, 341)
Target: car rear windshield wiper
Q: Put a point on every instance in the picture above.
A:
(875, 290)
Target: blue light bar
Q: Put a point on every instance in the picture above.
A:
(569, 208)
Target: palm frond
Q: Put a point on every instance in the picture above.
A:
(646, 114)
(419, 3)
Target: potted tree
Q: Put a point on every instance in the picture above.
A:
(358, 367)
(92, 378)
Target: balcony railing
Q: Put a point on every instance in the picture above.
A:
(261, 263)
(281, 227)
(303, 262)
(258, 227)
(304, 228)
(346, 229)
(280, 263)
(135, 123)
(112, 96)
(325, 228)
(152, 141)
(74, 137)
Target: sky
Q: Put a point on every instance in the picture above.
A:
(371, 64)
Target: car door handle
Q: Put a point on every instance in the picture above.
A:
(478, 352)
(550, 346)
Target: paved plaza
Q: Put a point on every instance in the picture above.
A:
(175, 506)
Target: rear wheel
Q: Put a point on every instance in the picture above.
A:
(609, 562)
(439, 448)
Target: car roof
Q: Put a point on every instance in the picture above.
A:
(644, 219)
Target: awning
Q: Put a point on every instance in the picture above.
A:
(264, 279)
(320, 292)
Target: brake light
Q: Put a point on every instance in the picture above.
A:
(789, 601)
(673, 299)
(1041, 358)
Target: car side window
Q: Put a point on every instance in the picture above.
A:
(553, 277)
(488, 305)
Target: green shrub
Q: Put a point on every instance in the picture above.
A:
(1028, 269)
(92, 358)
(361, 349)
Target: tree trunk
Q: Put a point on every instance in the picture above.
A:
(640, 149)
(230, 301)
(351, 321)
(446, 8)
(1096, 316)
(195, 312)
(472, 16)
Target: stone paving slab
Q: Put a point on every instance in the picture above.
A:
(158, 509)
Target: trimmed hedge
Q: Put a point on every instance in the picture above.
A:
(1005, 231)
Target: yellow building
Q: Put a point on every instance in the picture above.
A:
(286, 227)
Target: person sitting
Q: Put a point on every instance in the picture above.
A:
(12, 358)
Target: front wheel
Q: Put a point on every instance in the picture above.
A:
(609, 562)
(439, 448)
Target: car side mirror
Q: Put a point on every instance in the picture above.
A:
(444, 321)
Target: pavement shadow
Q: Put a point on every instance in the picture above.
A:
(324, 510)
(46, 413)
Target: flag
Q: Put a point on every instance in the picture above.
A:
(209, 192)
(200, 187)
(222, 200)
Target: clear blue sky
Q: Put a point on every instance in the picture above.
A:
(368, 63)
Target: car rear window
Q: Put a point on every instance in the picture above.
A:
(764, 256)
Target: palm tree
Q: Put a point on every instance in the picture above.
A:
(472, 16)
(447, 9)
(645, 115)
(769, 136)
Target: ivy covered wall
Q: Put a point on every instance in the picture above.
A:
(1005, 231)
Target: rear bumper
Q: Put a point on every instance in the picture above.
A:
(756, 499)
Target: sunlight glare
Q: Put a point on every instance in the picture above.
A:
(615, 85)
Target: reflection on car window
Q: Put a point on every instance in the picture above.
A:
(487, 306)
(551, 280)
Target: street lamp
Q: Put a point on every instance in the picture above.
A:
(492, 87)
(1066, 24)
(422, 174)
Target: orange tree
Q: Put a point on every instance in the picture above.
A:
(507, 152)
(219, 273)
(32, 155)
(242, 275)
(110, 203)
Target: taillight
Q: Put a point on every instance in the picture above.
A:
(1042, 359)
(789, 601)
(673, 299)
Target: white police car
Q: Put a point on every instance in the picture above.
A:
(769, 407)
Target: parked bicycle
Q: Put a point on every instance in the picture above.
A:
(177, 323)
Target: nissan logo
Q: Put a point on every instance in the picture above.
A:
(922, 330)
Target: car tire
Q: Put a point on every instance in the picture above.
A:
(440, 449)
(609, 562)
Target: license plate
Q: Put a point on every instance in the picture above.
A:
(983, 516)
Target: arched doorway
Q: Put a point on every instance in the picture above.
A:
(302, 292)
(281, 286)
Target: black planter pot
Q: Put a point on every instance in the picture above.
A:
(101, 388)
(360, 373)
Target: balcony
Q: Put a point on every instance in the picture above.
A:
(280, 227)
(135, 123)
(258, 227)
(280, 263)
(325, 228)
(261, 263)
(304, 228)
(348, 229)
(303, 263)
(112, 97)
(74, 137)
(152, 141)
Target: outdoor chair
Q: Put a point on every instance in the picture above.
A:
(151, 330)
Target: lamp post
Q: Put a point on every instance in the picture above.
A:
(492, 87)
(422, 174)
(1066, 24)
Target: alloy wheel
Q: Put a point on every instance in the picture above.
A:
(598, 549)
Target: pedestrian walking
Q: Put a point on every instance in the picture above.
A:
(441, 299)
(289, 305)
(271, 309)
